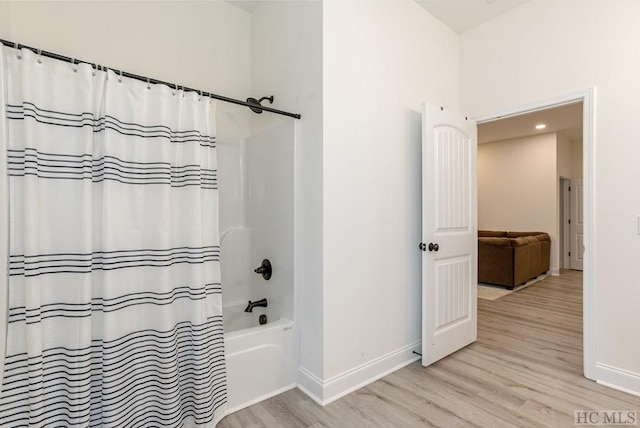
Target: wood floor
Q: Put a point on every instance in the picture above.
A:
(525, 370)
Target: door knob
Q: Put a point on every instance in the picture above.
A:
(433, 247)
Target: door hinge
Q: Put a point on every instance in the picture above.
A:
(569, 253)
(569, 188)
(569, 221)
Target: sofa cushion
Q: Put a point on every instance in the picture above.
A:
(495, 242)
(512, 258)
(519, 234)
(492, 233)
(495, 261)
(542, 237)
(522, 241)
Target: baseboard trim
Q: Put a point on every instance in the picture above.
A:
(617, 378)
(310, 384)
(325, 392)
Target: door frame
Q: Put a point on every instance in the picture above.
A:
(588, 98)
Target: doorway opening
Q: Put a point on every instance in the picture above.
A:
(584, 102)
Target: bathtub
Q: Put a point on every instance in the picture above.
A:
(235, 318)
(261, 363)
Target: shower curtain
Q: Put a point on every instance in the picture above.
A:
(114, 312)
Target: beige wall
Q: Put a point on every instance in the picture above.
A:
(568, 158)
(577, 150)
(565, 156)
(549, 48)
(517, 188)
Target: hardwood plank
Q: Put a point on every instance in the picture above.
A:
(525, 370)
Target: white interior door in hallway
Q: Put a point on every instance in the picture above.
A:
(576, 227)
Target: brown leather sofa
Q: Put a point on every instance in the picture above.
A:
(512, 258)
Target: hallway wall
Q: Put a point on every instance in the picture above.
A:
(517, 189)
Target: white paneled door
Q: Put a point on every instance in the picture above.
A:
(449, 233)
(576, 227)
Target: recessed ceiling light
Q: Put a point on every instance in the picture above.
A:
(541, 126)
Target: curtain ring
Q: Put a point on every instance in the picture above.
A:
(200, 95)
(17, 47)
(39, 56)
(73, 67)
(120, 78)
(94, 69)
(148, 83)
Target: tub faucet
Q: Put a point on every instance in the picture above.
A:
(265, 269)
(259, 303)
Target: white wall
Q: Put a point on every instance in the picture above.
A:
(4, 18)
(548, 48)
(517, 187)
(184, 42)
(286, 38)
(382, 59)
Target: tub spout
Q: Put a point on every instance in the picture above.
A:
(259, 303)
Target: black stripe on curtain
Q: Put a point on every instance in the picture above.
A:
(58, 118)
(34, 265)
(146, 378)
(83, 310)
(84, 167)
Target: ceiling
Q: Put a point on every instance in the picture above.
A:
(462, 15)
(247, 5)
(459, 15)
(565, 120)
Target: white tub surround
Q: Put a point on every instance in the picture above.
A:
(261, 363)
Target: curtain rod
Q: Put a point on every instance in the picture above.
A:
(149, 80)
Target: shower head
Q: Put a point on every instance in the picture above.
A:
(257, 104)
